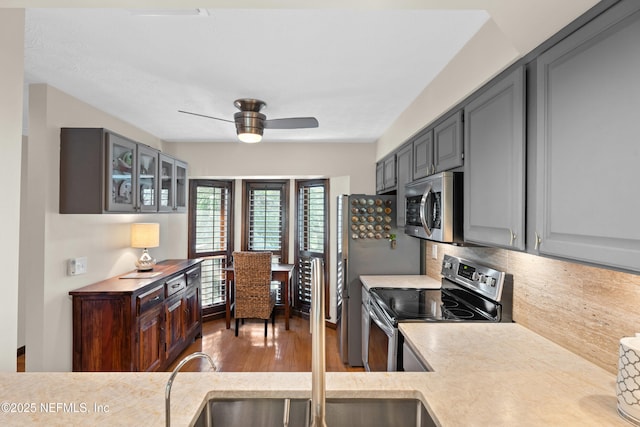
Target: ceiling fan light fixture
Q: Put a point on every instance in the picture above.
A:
(249, 126)
(250, 122)
(249, 137)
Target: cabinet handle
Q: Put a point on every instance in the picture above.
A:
(512, 237)
(538, 241)
(157, 297)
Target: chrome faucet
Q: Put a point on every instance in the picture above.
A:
(167, 391)
(318, 360)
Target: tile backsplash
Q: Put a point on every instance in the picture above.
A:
(582, 308)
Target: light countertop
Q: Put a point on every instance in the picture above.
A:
(504, 374)
(515, 378)
(400, 281)
(485, 374)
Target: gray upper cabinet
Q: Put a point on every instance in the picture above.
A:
(379, 177)
(494, 166)
(173, 185)
(390, 172)
(423, 163)
(386, 174)
(587, 152)
(447, 143)
(404, 163)
(103, 172)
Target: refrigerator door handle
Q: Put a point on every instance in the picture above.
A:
(345, 275)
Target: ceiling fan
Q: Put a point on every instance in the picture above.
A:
(250, 122)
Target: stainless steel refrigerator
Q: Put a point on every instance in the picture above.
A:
(366, 232)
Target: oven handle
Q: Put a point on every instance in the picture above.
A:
(423, 206)
(376, 317)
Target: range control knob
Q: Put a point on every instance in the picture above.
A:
(490, 281)
(475, 276)
(446, 265)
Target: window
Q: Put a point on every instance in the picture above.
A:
(265, 217)
(312, 236)
(211, 237)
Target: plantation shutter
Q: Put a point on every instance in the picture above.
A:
(266, 220)
(210, 236)
(311, 213)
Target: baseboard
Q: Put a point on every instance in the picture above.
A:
(330, 325)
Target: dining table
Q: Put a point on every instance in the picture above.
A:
(279, 273)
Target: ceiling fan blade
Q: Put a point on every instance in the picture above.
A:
(208, 117)
(291, 123)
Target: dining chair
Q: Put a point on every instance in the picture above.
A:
(254, 298)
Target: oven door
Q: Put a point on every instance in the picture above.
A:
(382, 347)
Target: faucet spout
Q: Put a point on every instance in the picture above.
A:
(167, 391)
(318, 359)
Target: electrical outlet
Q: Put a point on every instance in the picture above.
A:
(434, 252)
(77, 266)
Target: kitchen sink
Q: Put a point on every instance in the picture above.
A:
(346, 412)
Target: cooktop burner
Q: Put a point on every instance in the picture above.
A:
(470, 292)
(423, 305)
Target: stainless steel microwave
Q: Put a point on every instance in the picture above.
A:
(434, 208)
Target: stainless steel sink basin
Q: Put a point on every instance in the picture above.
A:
(339, 412)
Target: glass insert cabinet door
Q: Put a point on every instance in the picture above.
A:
(181, 186)
(147, 179)
(132, 176)
(173, 185)
(166, 183)
(121, 159)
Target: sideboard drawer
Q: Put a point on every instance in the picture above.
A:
(150, 299)
(176, 285)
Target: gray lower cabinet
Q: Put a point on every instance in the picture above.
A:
(587, 153)
(404, 163)
(448, 143)
(494, 167)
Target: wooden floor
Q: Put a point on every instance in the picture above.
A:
(280, 351)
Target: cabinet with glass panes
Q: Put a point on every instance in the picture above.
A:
(101, 171)
(173, 184)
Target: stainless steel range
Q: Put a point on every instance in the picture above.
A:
(470, 292)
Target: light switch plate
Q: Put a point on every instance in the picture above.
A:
(77, 266)
(434, 252)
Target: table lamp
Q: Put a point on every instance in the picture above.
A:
(145, 235)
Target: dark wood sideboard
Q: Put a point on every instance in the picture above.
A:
(137, 324)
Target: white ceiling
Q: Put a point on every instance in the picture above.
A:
(355, 70)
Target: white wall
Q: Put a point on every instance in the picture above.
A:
(302, 160)
(50, 238)
(11, 78)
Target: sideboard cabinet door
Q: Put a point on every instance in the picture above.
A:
(150, 340)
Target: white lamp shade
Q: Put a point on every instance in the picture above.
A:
(145, 235)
